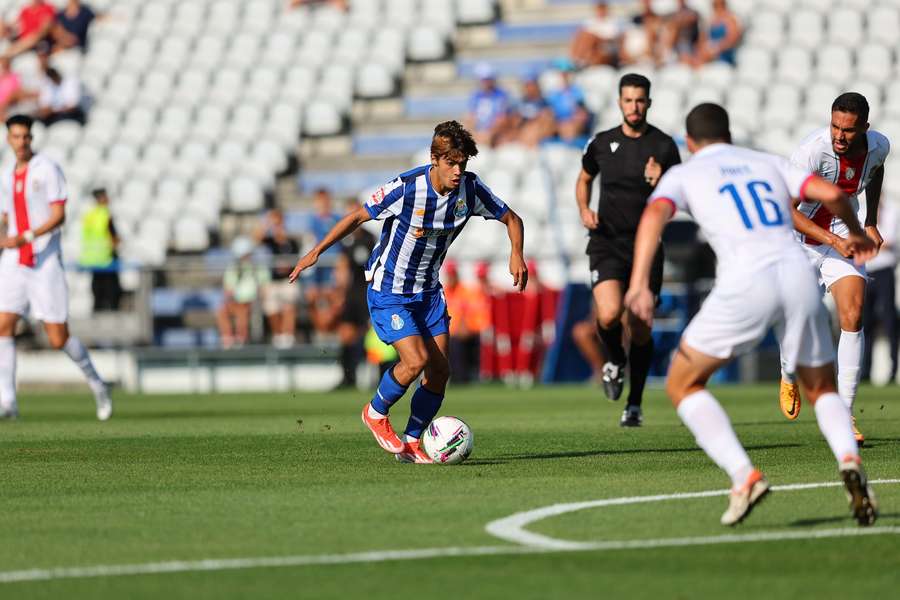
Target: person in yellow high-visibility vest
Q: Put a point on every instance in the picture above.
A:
(98, 253)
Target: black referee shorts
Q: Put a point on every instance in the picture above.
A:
(612, 258)
(356, 311)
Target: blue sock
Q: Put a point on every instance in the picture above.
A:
(425, 405)
(388, 392)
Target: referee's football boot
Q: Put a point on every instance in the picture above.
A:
(742, 500)
(859, 494)
(613, 380)
(631, 417)
(789, 397)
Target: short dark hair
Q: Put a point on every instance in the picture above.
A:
(20, 119)
(853, 103)
(452, 140)
(634, 80)
(98, 191)
(708, 122)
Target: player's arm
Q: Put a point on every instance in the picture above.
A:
(639, 299)
(341, 229)
(516, 230)
(873, 198)
(807, 227)
(818, 190)
(583, 197)
(57, 217)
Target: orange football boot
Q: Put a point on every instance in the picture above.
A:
(790, 400)
(413, 453)
(383, 432)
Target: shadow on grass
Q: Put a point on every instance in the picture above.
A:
(584, 453)
(835, 520)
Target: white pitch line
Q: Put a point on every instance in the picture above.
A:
(512, 528)
(453, 552)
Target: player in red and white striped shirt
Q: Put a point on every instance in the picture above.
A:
(32, 211)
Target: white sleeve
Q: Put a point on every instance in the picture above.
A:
(795, 177)
(804, 157)
(56, 184)
(671, 189)
(387, 200)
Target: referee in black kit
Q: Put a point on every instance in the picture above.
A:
(629, 159)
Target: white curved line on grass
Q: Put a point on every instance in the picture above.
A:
(512, 528)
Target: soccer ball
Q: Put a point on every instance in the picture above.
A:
(447, 441)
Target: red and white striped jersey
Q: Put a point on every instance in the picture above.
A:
(25, 198)
(815, 154)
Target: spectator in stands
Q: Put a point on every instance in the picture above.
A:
(279, 297)
(472, 306)
(98, 253)
(532, 119)
(572, 118)
(350, 276)
(322, 297)
(11, 90)
(640, 42)
(597, 41)
(880, 309)
(32, 29)
(60, 99)
(241, 285)
(489, 108)
(680, 34)
(720, 37)
(72, 24)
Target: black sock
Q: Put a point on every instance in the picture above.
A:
(639, 358)
(348, 364)
(611, 341)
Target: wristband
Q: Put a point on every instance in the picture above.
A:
(28, 236)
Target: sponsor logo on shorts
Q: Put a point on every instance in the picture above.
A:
(397, 322)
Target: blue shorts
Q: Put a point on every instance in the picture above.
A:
(396, 316)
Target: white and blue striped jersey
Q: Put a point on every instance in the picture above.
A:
(419, 227)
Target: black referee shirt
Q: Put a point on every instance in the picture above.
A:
(620, 162)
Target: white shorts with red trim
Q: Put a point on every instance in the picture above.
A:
(831, 266)
(740, 311)
(41, 289)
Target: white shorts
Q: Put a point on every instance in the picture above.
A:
(740, 310)
(831, 266)
(43, 289)
(279, 294)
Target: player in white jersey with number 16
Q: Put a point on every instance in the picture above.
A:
(742, 200)
(32, 211)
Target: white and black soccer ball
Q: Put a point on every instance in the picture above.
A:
(447, 441)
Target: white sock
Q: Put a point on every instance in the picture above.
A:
(849, 358)
(711, 427)
(785, 376)
(834, 421)
(374, 414)
(7, 372)
(408, 438)
(75, 350)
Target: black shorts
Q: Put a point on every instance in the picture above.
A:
(356, 311)
(612, 258)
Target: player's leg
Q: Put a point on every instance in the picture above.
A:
(608, 300)
(849, 294)
(584, 334)
(8, 407)
(59, 338)
(427, 399)
(704, 416)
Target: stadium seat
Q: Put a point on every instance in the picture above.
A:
(782, 106)
(321, 118)
(834, 64)
(872, 92)
(874, 62)
(754, 65)
(373, 80)
(718, 75)
(766, 31)
(805, 28)
(190, 233)
(794, 65)
(743, 104)
(891, 106)
(245, 195)
(427, 44)
(702, 93)
(845, 27)
(677, 76)
(475, 12)
(819, 97)
(883, 22)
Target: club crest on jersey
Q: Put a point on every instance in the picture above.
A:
(850, 173)
(613, 146)
(460, 210)
(397, 322)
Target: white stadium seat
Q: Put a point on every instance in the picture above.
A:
(245, 195)
(427, 44)
(190, 233)
(794, 65)
(874, 62)
(834, 64)
(805, 28)
(883, 22)
(766, 30)
(845, 27)
(374, 81)
(321, 118)
(475, 12)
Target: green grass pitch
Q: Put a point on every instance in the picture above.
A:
(283, 475)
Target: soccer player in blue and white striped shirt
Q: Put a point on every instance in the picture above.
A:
(424, 210)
